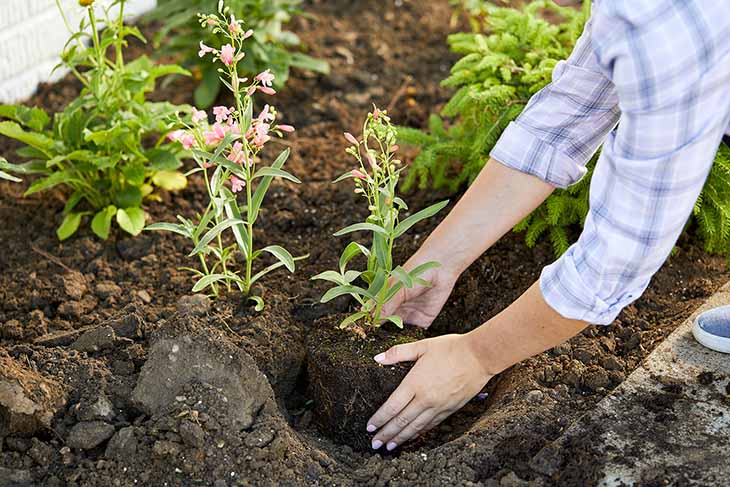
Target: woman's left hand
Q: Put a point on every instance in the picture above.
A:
(447, 374)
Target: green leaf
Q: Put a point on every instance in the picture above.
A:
(352, 249)
(33, 118)
(259, 303)
(213, 233)
(338, 291)
(54, 179)
(128, 197)
(302, 61)
(358, 227)
(131, 220)
(419, 270)
(396, 320)
(102, 221)
(209, 88)
(263, 187)
(273, 267)
(33, 139)
(69, 225)
(347, 175)
(170, 180)
(330, 276)
(32, 167)
(277, 173)
(352, 319)
(162, 160)
(403, 277)
(378, 282)
(169, 227)
(282, 254)
(239, 231)
(208, 280)
(134, 174)
(8, 177)
(406, 224)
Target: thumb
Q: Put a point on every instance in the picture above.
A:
(408, 352)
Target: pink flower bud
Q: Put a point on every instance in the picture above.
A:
(358, 174)
(248, 34)
(237, 184)
(372, 161)
(227, 53)
(176, 135)
(266, 78)
(199, 115)
(394, 148)
(351, 138)
(286, 128)
(188, 141)
(267, 90)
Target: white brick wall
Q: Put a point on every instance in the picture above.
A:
(32, 34)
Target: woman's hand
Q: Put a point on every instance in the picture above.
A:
(447, 374)
(420, 305)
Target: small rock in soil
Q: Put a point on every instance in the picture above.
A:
(61, 338)
(596, 378)
(259, 438)
(535, 397)
(633, 341)
(128, 324)
(106, 289)
(12, 330)
(28, 400)
(134, 248)
(512, 480)
(562, 349)
(612, 363)
(95, 340)
(89, 434)
(74, 284)
(164, 448)
(99, 407)
(547, 461)
(195, 305)
(21, 445)
(144, 296)
(41, 453)
(123, 445)
(192, 434)
(15, 478)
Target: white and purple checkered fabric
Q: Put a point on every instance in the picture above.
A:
(650, 79)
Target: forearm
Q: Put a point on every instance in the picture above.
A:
(527, 327)
(498, 199)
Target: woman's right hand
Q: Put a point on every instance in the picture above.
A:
(420, 305)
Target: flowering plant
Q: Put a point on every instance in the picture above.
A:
(227, 154)
(269, 47)
(377, 180)
(95, 145)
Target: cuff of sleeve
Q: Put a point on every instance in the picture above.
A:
(520, 149)
(565, 291)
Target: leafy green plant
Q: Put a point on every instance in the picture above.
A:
(228, 155)
(508, 58)
(377, 180)
(105, 145)
(6, 176)
(269, 46)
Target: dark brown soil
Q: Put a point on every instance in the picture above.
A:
(96, 317)
(345, 383)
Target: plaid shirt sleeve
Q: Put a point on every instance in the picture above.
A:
(662, 70)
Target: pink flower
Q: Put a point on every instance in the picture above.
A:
(233, 26)
(358, 174)
(221, 113)
(248, 34)
(267, 90)
(227, 53)
(261, 134)
(214, 136)
(199, 115)
(211, 22)
(233, 127)
(237, 154)
(265, 77)
(251, 91)
(286, 128)
(176, 135)
(188, 141)
(237, 184)
(376, 113)
(204, 49)
(351, 138)
(372, 161)
(394, 148)
(266, 115)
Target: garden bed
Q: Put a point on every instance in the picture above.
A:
(102, 320)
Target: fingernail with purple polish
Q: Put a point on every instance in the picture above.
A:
(371, 428)
(391, 446)
(377, 444)
(379, 358)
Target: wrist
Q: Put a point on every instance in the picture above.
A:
(482, 346)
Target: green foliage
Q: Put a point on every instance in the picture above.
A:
(270, 47)
(377, 180)
(98, 145)
(509, 56)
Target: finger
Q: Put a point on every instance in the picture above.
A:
(408, 352)
(437, 420)
(397, 424)
(414, 428)
(397, 401)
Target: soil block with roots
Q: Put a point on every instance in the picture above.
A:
(345, 383)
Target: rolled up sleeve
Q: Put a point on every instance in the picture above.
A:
(564, 123)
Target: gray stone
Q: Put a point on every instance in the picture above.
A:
(123, 445)
(97, 408)
(192, 434)
(95, 340)
(89, 434)
(41, 453)
(535, 397)
(15, 478)
(259, 438)
(195, 305)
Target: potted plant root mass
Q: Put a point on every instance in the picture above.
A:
(346, 384)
